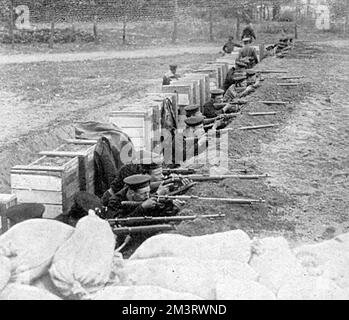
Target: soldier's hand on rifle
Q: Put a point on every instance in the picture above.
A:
(164, 189)
(178, 203)
(149, 204)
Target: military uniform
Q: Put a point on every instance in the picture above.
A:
(209, 110)
(250, 53)
(137, 182)
(170, 76)
(230, 46)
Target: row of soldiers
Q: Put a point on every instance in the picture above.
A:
(138, 186)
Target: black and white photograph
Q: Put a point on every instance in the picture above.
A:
(187, 153)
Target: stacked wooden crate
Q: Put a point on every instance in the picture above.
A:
(6, 201)
(54, 178)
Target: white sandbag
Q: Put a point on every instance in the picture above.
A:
(198, 277)
(343, 239)
(311, 288)
(141, 293)
(242, 290)
(330, 259)
(24, 292)
(274, 261)
(235, 245)
(5, 272)
(83, 264)
(31, 245)
(45, 283)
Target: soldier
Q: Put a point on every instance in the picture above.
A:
(137, 189)
(22, 212)
(170, 75)
(229, 47)
(248, 32)
(248, 53)
(146, 164)
(83, 202)
(193, 111)
(208, 109)
(194, 127)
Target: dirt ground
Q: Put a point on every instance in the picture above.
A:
(307, 197)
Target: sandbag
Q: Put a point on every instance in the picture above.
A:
(329, 259)
(274, 261)
(83, 264)
(198, 277)
(24, 292)
(141, 293)
(5, 272)
(45, 283)
(242, 290)
(233, 245)
(311, 288)
(31, 245)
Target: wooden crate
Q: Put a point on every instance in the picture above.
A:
(228, 61)
(196, 86)
(219, 69)
(185, 93)
(52, 181)
(6, 201)
(84, 150)
(212, 73)
(137, 124)
(204, 85)
(225, 68)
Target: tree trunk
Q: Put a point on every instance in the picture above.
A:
(11, 26)
(52, 33)
(175, 22)
(211, 24)
(95, 30)
(124, 29)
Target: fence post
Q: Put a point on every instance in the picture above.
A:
(175, 22)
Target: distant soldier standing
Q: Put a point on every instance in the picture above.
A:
(170, 75)
(248, 32)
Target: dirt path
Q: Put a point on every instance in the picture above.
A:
(82, 56)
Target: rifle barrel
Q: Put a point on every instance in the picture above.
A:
(228, 200)
(273, 102)
(143, 229)
(222, 177)
(136, 220)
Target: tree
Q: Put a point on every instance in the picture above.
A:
(127, 8)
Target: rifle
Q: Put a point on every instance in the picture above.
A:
(142, 229)
(178, 171)
(183, 189)
(176, 219)
(162, 199)
(222, 177)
